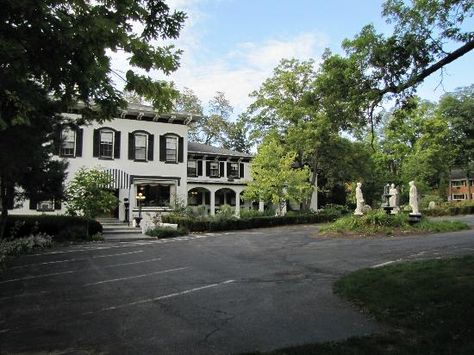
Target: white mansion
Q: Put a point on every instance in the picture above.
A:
(149, 153)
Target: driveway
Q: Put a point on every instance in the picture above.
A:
(203, 294)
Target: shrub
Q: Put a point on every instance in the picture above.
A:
(451, 209)
(164, 232)
(23, 245)
(56, 226)
(210, 224)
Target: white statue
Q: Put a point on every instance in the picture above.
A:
(359, 200)
(393, 201)
(413, 199)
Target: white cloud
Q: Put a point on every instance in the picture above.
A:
(243, 69)
(237, 72)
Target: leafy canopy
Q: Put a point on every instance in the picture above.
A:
(87, 194)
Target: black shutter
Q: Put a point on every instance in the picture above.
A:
(162, 148)
(117, 145)
(241, 170)
(180, 149)
(57, 141)
(57, 204)
(228, 169)
(199, 164)
(151, 143)
(221, 169)
(208, 168)
(96, 143)
(131, 146)
(79, 139)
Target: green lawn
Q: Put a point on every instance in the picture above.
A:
(379, 223)
(428, 305)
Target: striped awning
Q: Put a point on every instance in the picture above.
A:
(121, 180)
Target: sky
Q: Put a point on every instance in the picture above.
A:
(233, 45)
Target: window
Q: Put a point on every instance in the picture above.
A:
(457, 183)
(233, 170)
(156, 195)
(106, 144)
(192, 168)
(141, 146)
(171, 149)
(458, 197)
(44, 206)
(214, 169)
(68, 139)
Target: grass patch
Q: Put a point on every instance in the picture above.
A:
(429, 305)
(379, 223)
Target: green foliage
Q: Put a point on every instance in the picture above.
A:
(255, 213)
(57, 226)
(23, 245)
(451, 209)
(212, 224)
(378, 222)
(87, 194)
(273, 176)
(164, 232)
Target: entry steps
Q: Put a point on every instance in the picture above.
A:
(114, 226)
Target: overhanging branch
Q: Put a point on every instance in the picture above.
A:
(396, 89)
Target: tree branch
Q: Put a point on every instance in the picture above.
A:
(396, 89)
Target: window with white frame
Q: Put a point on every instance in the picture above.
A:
(106, 144)
(214, 169)
(68, 143)
(234, 170)
(141, 146)
(171, 149)
(456, 183)
(156, 195)
(458, 197)
(192, 168)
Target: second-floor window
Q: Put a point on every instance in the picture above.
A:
(233, 170)
(192, 168)
(171, 149)
(68, 144)
(214, 169)
(106, 144)
(141, 146)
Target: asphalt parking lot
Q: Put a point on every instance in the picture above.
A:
(202, 294)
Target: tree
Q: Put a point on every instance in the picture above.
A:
(54, 54)
(274, 178)
(379, 67)
(284, 103)
(87, 194)
(237, 135)
(458, 109)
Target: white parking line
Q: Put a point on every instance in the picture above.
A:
(385, 263)
(171, 295)
(133, 263)
(134, 277)
(109, 255)
(37, 276)
(76, 259)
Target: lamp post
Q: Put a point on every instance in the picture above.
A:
(126, 203)
(140, 197)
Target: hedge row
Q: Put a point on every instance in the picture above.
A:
(450, 211)
(210, 225)
(59, 227)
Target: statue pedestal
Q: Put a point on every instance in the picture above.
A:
(414, 218)
(357, 213)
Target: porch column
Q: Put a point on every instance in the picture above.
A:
(203, 197)
(261, 206)
(237, 204)
(213, 203)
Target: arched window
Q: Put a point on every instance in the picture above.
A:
(106, 143)
(140, 146)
